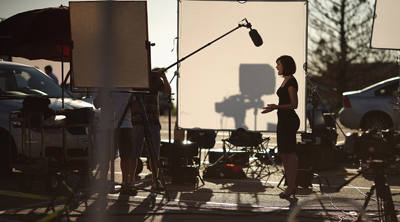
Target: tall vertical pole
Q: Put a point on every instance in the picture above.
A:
(397, 106)
(177, 59)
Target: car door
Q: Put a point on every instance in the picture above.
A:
(388, 95)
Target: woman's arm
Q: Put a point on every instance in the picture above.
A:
(293, 99)
(292, 105)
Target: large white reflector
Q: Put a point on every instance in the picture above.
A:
(226, 85)
(128, 56)
(386, 28)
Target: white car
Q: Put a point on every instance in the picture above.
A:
(17, 82)
(371, 107)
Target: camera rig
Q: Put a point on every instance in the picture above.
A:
(379, 149)
(374, 145)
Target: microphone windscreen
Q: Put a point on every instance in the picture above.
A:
(255, 37)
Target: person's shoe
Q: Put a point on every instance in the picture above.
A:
(287, 196)
(157, 188)
(131, 192)
(127, 189)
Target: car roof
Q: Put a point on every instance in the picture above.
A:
(381, 83)
(8, 63)
(372, 87)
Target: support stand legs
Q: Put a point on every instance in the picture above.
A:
(386, 211)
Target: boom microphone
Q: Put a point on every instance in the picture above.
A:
(255, 37)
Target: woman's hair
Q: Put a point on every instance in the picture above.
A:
(289, 66)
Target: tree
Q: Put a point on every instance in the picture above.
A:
(340, 32)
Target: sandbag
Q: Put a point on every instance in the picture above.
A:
(226, 171)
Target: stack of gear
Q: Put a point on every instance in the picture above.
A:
(183, 163)
(241, 137)
(36, 107)
(225, 171)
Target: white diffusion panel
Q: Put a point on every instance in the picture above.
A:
(386, 28)
(226, 85)
(116, 30)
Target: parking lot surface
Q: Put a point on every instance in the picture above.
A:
(215, 199)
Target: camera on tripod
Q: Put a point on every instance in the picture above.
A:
(373, 145)
(380, 149)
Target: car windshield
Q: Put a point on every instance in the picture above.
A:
(22, 81)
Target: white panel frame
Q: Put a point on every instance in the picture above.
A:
(217, 77)
(123, 44)
(385, 27)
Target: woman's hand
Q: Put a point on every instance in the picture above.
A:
(269, 108)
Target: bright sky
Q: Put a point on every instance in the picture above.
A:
(162, 19)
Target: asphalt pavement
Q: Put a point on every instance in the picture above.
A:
(254, 198)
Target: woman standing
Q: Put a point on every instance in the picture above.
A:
(288, 122)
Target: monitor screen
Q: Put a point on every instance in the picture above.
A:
(319, 120)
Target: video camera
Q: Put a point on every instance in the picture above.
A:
(373, 145)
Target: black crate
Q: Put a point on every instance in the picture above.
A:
(179, 150)
(322, 137)
(317, 157)
(186, 174)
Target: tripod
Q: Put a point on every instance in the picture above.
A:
(150, 150)
(150, 146)
(386, 211)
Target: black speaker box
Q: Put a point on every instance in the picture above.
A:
(329, 121)
(178, 150)
(317, 157)
(304, 177)
(321, 137)
(187, 174)
(305, 156)
(328, 159)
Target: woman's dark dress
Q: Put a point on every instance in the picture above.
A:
(288, 121)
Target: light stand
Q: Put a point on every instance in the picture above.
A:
(169, 117)
(397, 105)
(150, 145)
(314, 88)
(149, 142)
(312, 126)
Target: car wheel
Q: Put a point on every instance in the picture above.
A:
(376, 121)
(25, 182)
(52, 181)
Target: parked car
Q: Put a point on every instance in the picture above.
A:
(371, 107)
(17, 82)
(79, 93)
